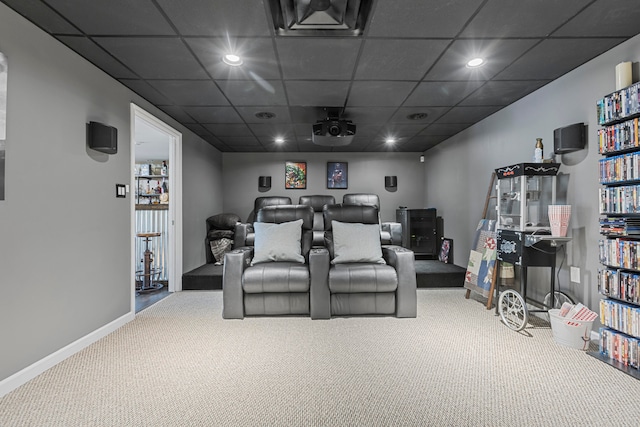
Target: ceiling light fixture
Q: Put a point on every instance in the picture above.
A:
(390, 141)
(475, 62)
(279, 140)
(231, 59)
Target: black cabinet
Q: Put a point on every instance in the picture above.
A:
(419, 231)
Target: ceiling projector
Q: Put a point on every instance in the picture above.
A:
(333, 132)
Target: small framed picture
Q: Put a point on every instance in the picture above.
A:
(337, 175)
(295, 175)
(446, 255)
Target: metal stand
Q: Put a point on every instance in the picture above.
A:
(147, 277)
(527, 250)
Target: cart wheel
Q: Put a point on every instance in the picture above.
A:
(513, 310)
(559, 298)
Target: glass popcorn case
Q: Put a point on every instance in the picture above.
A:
(525, 191)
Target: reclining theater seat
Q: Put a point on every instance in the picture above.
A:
(390, 232)
(244, 231)
(364, 277)
(317, 203)
(272, 275)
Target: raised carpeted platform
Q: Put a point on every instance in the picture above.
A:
(429, 274)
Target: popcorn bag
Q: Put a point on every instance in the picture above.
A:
(559, 216)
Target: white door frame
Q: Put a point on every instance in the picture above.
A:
(175, 199)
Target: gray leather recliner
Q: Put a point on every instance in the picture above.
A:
(390, 231)
(317, 203)
(274, 287)
(244, 230)
(364, 288)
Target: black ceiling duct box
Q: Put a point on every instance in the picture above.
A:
(569, 138)
(102, 138)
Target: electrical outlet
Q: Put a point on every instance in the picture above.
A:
(575, 274)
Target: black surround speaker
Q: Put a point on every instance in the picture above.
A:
(264, 182)
(102, 138)
(391, 181)
(569, 138)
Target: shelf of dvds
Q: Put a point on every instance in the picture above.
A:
(619, 247)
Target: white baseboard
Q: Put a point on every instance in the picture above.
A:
(23, 376)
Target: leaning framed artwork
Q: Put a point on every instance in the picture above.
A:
(295, 175)
(337, 175)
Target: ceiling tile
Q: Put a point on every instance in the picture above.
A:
(213, 114)
(154, 58)
(497, 55)
(233, 141)
(198, 129)
(177, 113)
(190, 92)
(317, 59)
(307, 114)
(217, 18)
(441, 93)
(421, 18)
(224, 130)
(398, 59)
(503, 92)
(247, 148)
(446, 129)
(369, 115)
(554, 57)
(144, 89)
(258, 57)
(402, 114)
(317, 93)
(43, 16)
(467, 114)
(248, 114)
(604, 18)
(142, 17)
(251, 92)
(95, 54)
(272, 130)
(379, 93)
(499, 18)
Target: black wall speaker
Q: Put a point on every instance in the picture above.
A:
(391, 181)
(569, 138)
(102, 138)
(264, 182)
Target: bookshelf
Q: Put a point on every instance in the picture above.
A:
(619, 247)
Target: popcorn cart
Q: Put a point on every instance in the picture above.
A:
(525, 192)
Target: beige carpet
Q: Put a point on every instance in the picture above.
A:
(180, 364)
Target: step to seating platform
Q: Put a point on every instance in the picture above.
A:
(429, 274)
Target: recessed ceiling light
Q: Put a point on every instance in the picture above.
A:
(417, 116)
(231, 59)
(475, 62)
(266, 115)
(279, 140)
(390, 141)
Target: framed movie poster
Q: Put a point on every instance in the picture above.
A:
(337, 176)
(295, 175)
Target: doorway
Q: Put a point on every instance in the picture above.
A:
(156, 207)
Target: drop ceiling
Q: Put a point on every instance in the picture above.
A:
(406, 58)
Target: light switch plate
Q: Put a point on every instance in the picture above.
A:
(575, 274)
(121, 190)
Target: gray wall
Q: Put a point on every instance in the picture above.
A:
(366, 175)
(64, 237)
(458, 170)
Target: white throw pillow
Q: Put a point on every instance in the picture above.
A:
(356, 242)
(277, 242)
